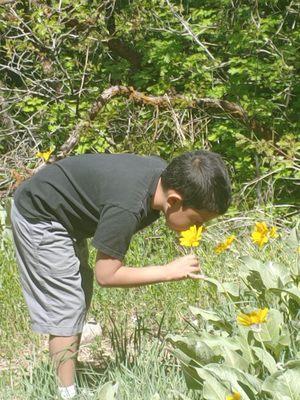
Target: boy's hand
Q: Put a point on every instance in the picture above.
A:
(184, 267)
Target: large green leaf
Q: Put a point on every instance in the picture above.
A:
(292, 292)
(270, 274)
(212, 317)
(270, 330)
(213, 387)
(230, 288)
(108, 391)
(207, 315)
(234, 359)
(193, 347)
(244, 344)
(285, 336)
(235, 377)
(218, 341)
(285, 382)
(192, 379)
(216, 284)
(266, 359)
(183, 357)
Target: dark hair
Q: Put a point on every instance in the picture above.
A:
(201, 178)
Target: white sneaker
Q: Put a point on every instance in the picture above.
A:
(90, 331)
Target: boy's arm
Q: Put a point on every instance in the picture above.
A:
(110, 272)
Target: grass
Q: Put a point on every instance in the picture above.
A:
(134, 321)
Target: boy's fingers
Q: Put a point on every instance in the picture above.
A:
(190, 256)
(196, 276)
(195, 267)
(193, 261)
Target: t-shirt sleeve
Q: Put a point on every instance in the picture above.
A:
(114, 231)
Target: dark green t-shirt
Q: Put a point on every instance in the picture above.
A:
(107, 196)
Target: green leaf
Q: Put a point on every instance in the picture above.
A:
(266, 358)
(244, 343)
(285, 382)
(213, 317)
(234, 359)
(213, 281)
(217, 342)
(205, 314)
(293, 292)
(269, 275)
(213, 388)
(193, 347)
(191, 377)
(285, 337)
(226, 287)
(108, 391)
(231, 288)
(270, 330)
(235, 378)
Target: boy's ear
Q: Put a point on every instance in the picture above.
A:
(174, 199)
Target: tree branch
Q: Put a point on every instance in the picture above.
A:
(212, 106)
(116, 45)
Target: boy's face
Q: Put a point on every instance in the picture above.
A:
(180, 218)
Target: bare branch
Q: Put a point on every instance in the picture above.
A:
(4, 2)
(189, 30)
(210, 105)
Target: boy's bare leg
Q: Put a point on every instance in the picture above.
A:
(63, 352)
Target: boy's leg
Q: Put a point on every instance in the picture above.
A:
(63, 352)
(64, 349)
(57, 284)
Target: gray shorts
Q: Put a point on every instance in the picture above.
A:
(56, 279)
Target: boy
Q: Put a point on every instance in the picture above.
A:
(108, 197)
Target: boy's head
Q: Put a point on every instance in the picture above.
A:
(197, 186)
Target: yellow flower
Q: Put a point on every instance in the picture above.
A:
(262, 233)
(253, 318)
(234, 396)
(45, 155)
(191, 237)
(273, 232)
(261, 227)
(259, 238)
(225, 245)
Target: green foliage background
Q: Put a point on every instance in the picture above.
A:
(58, 56)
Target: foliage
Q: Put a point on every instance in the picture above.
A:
(135, 320)
(56, 60)
(255, 353)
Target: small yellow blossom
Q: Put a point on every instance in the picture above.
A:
(262, 233)
(261, 227)
(225, 245)
(191, 237)
(45, 155)
(253, 318)
(273, 232)
(234, 396)
(259, 238)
